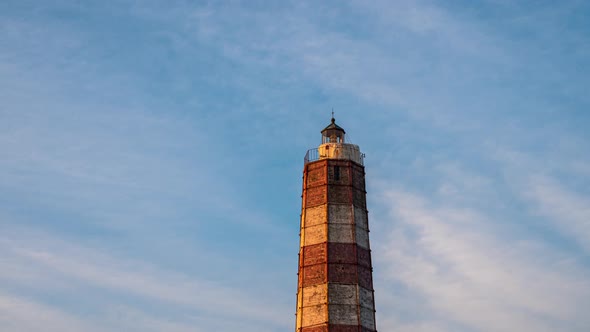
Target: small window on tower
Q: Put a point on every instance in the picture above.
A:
(336, 173)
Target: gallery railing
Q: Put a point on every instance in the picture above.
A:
(348, 152)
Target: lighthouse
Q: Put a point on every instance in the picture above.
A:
(335, 282)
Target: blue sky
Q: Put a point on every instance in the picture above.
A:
(151, 156)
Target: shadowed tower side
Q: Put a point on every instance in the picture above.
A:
(335, 283)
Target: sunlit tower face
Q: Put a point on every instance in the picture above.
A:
(335, 284)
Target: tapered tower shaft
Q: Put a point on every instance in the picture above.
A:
(335, 286)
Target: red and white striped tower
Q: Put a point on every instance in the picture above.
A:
(335, 286)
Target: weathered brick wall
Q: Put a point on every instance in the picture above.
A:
(315, 215)
(340, 214)
(316, 196)
(339, 194)
(358, 177)
(335, 292)
(316, 174)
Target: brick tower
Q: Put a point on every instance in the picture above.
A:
(335, 284)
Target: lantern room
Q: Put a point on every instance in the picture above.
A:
(333, 133)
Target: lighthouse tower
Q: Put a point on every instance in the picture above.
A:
(335, 284)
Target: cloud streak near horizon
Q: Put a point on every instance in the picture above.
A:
(151, 159)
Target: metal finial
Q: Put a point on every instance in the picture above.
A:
(333, 120)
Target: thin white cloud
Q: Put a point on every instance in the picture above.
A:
(551, 186)
(469, 275)
(454, 267)
(19, 314)
(51, 266)
(567, 210)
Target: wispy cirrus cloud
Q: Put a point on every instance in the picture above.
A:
(568, 211)
(551, 184)
(471, 279)
(21, 314)
(49, 269)
(163, 141)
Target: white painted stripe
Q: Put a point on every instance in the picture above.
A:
(344, 314)
(342, 294)
(340, 233)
